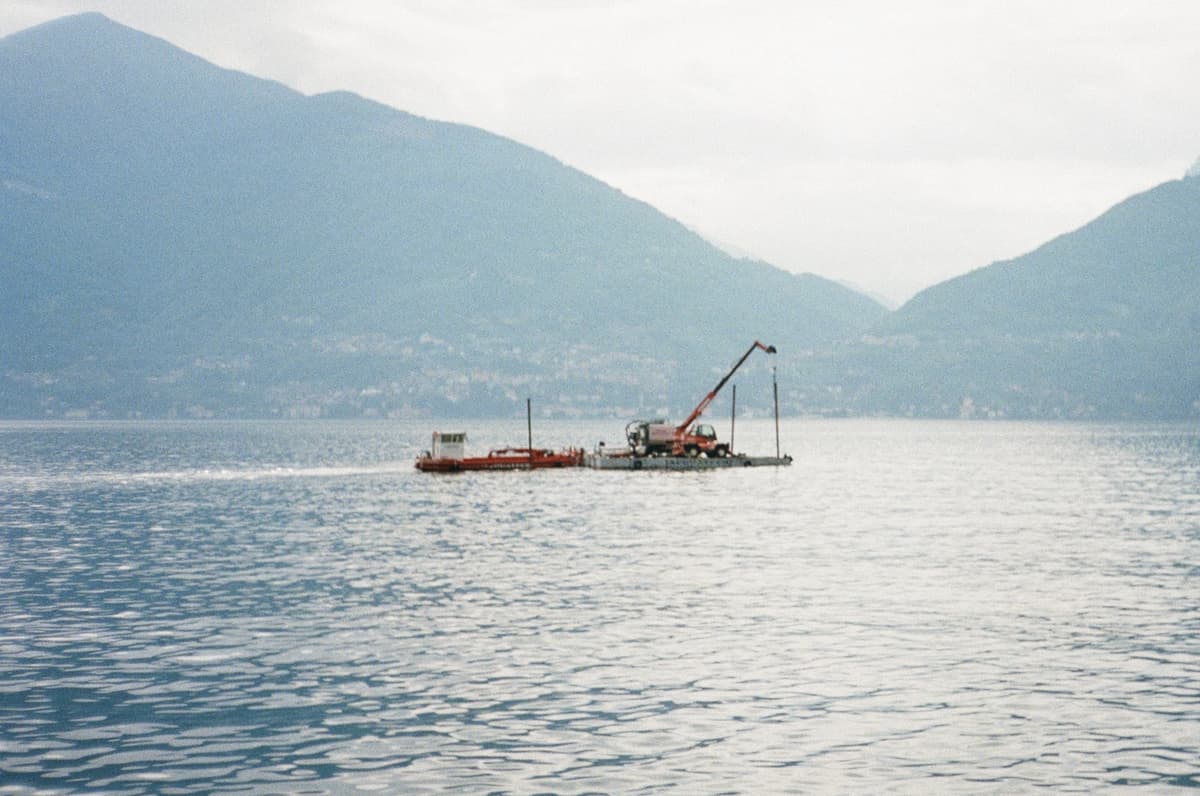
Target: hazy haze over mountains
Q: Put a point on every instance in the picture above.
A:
(181, 239)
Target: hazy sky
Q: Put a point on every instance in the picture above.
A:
(886, 143)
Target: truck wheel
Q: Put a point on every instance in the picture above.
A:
(692, 451)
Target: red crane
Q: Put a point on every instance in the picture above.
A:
(708, 399)
(655, 436)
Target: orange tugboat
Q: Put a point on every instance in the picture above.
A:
(447, 455)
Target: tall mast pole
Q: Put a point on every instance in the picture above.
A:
(733, 419)
(775, 390)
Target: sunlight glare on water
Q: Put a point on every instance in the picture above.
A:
(959, 606)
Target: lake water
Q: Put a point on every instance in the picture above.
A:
(910, 607)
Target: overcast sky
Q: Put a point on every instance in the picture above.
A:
(889, 144)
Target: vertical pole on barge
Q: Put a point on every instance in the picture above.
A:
(529, 423)
(732, 419)
(775, 390)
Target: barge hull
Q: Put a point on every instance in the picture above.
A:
(505, 459)
(600, 461)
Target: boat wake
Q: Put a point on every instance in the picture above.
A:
(198, 475)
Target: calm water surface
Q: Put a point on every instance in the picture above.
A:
(911, 607)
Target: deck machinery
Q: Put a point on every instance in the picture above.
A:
(660, 438)
(658, 445)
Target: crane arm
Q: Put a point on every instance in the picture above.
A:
(708, 399)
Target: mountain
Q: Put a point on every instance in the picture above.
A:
(181, 239)
(177, 238)
(1101, 322)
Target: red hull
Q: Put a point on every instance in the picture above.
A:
(504, 459)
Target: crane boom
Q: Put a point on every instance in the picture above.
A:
(708, 399)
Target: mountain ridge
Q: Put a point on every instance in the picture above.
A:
(1114, 240)
(234, 247)
(181, 239)
(1099, 322)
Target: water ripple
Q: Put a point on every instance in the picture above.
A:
(207, 608)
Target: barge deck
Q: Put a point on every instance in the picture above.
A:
(608, 461)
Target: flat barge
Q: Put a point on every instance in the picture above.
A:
(619, 461)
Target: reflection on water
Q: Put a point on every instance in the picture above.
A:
(202, 607)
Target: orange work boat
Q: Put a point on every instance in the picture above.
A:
(447, 455)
